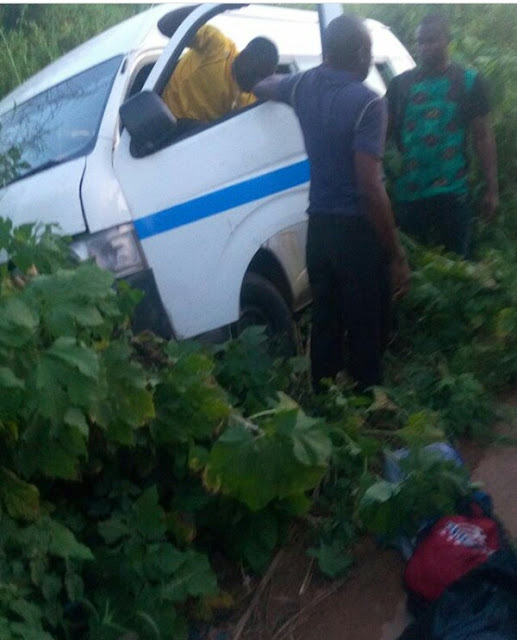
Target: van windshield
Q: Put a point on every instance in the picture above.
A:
(57, 125)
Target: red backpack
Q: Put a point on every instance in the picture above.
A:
(453, 546)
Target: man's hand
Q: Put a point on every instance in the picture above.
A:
(484, 145)
(489, 205)
(400, 276)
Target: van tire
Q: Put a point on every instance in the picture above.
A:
(262, 304)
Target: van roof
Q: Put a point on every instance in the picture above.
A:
(141, 32)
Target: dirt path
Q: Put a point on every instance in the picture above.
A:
(299, 604)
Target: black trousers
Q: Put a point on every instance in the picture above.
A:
(351, 296)
(444, 220)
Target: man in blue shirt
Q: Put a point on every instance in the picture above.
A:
(354, 258)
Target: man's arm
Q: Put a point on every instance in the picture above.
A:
(484, 146)
(391, 101)
(378, 210)
(370, 135)
(268, 89)
(278, 87)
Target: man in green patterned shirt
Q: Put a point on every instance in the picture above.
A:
(432, 111)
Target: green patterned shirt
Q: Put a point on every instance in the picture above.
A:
(432, 132)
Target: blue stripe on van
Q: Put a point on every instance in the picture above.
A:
(222, 200)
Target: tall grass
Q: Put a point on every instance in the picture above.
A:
(32, 36)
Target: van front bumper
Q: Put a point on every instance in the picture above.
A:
(150, 313)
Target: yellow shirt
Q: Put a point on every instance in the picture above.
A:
(202, 86)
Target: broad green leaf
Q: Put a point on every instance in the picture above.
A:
(20, 498)
(76, 356)
(189, 403)
(260, 539)
(121, 432)
(114, 529)
(381, 402)
(51, 586)
(63, 543)
(18, 322)
(93, 282)
(285, 403)
(149, 517)
(55, 457)
(128, 402)
(197, 458)
(74, 586)
(506, 323)
(75, 418)
(296, 505)
(380, 492)
(312, 446)
(50, 398)
(60, 384)
(17, 313)
(65, 318)
(28, 611)
(27, 631)
(236, 435)
(8, 379)
(420, 430)
(380, 518)
(257, 469)
(162, 560)
(193, 577)
(333, 559)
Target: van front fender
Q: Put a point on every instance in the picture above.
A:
(279, 225)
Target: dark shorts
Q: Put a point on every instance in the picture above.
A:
(443, 220)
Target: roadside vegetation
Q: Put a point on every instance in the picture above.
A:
(139, 477)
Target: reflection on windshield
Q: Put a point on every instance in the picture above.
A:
(56, 125)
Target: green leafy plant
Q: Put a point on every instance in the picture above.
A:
(431, 487)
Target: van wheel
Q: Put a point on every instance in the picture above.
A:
(263, 305)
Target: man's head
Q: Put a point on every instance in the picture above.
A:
(347, 45)
(433, 37)
(255, 62)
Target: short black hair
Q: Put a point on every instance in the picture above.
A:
(262, 49)
(342, 39)
(439, 21)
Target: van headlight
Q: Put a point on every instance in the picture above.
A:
(116, 249)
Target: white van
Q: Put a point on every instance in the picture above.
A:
(211, 224)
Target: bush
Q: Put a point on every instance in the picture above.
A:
(122, 461)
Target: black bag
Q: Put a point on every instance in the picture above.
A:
(482, 605)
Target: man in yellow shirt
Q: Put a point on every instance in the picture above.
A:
(213, 78)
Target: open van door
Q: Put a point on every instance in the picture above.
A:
(205, 202)
(327, 12)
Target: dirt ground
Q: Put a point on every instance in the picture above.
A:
(295, 602)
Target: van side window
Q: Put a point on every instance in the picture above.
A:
(140, 79)
(57, 125)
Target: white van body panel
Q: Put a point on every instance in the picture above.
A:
(102, 196)
(178, 213)
(206, 205)
(387, 48)
(58, 192)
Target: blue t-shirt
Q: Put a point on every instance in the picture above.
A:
(339, 116)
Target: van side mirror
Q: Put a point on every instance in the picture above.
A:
(149, 122)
